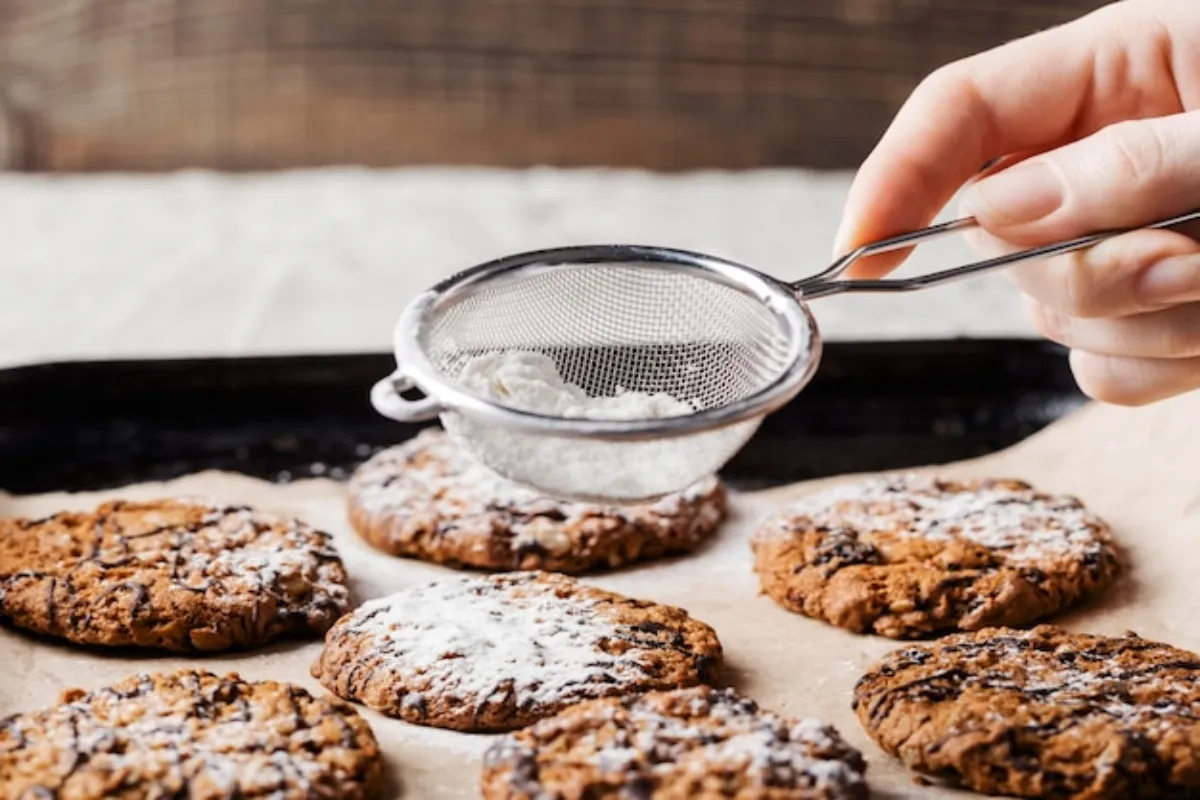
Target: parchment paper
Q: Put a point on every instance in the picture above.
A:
(1138, 468)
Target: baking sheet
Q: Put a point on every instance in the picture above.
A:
(871, 406)
(1136, 467)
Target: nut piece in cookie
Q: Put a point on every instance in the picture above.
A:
(696, 743)
(169, 575)
(1041, 713)
(494, 653)
(909, 556)
(190, 734)
(428, 499)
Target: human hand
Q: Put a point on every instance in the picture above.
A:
(1096, 125)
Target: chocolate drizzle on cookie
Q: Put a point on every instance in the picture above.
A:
(170, 575)
(699, 742)
(189, 733)
(497, 652)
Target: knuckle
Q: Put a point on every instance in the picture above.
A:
(1048, 322)
(1137, 150)
(950, 83)
(1076, 290)
(945, 75)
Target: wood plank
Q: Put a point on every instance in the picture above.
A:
(665, 84)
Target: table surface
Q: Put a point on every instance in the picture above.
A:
(323, 261)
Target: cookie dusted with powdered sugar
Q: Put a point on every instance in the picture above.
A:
(169, 574)
(494, 653)
(190, 734)
(1042, 713)
(697, 743)
(428, 499)
(908, 556)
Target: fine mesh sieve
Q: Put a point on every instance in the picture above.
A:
(732, 343)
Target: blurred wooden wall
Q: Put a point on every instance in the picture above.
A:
(665, 84)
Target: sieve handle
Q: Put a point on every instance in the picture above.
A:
(387, 400)
(827, 283)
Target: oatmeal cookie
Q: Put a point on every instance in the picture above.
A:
(428, 499)
(1041, 713)
(169, 575)
(697, 743)
(909, 556)
(190, 734)
(494, 653)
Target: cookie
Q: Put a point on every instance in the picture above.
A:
(190, 734)
(497, 652)
(169, 575)
(908, 556)
(699, 743)
(428, 499)
(1041, 713)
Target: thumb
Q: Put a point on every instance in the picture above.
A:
(1131, 173)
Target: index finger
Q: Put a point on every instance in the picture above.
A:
(1022, 96)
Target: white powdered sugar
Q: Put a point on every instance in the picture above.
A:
(627, 471)
(766, 756)
(540, 639)
(1024, 524)
(530, 381)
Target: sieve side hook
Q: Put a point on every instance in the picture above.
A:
(386, 397)
(828, 282)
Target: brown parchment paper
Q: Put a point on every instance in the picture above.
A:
(1139, 468)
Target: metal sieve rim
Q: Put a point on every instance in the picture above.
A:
(776, 296)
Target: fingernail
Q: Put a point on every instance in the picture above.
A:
(839, 241)
(1172, 280)
(1018, 195)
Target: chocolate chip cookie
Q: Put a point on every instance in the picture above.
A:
(428, 499)
(170, 575)
(1042, 713)
(700, 743)
(494, 653)
(190, 734)
(908, 556)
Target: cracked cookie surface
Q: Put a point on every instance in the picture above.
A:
(497, 652)
(907, 556)
(190, 734)
(170, 575)
(427, 499)
(698, 743)
(1042, 713)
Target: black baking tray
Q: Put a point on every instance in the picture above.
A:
(873, 406)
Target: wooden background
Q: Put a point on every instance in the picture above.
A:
(662, 84)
